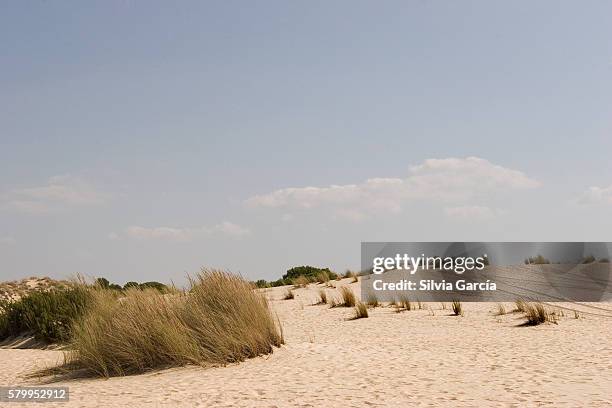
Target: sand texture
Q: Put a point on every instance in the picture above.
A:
(413, 358)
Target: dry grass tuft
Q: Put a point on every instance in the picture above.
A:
(289, 295)
(348, 297)
(537, 314)
(521, 305)
(322, 296)
(322, 277)
(219, 320)
(373, 301)
(300, 282)
(501, 309)
(404, 303)
(361, 311)
(457, 308)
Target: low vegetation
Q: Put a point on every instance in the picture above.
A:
(536, 260)
(352, 275)
(520, 305)
(322, 277)
(288, 295)
(501, 309)
(405, 303)
(300, 282)
(348, 297)
(373, 301)
(48, 316)
(322, 296)
(219, 320)
(304, 273)
(537, 314)
(104, 283)
(361, 311)
(457, 308)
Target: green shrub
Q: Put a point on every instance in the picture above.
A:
(160, 287)
(130, 285)
(46, 315)
(262, 283)
(281, 282)
(309, 272)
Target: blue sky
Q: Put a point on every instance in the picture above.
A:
(142, 140)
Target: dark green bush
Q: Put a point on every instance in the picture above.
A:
(154, 285)
(310, 272)
(46, 315)
(262, 283)
(281, 282)
(130, 285)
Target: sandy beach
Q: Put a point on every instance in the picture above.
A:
(414, 358)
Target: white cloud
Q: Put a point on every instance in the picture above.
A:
(59, 193)
(597, 195)
(447, 180)
(225, 228)
(165, 233)
(230, 229)
(472, 212)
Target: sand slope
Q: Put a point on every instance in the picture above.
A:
(388, 360)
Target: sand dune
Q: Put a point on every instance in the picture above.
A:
(390, 359)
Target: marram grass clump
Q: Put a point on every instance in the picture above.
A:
(322, 296)
(361, 311)
(457, 308)
(219, 320)
(537, 314)
(348, 297)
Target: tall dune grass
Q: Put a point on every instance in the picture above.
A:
(322, 277)
(348, 297)
(323, 296)
(300, 282)
(219, 320)
(361, 311)
(457, 308)
(537, 314)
